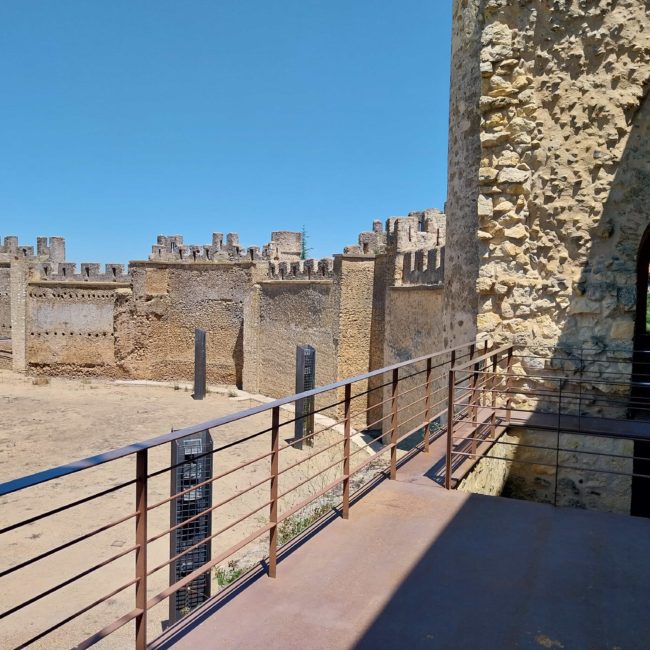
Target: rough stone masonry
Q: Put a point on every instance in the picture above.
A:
(256, 304)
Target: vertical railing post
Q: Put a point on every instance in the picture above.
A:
(557, 445)
(346, 451)
(509, 386)
(493, 397)
(275, 470)
(493, 383)
(450, 426)
(393, 425)
(141, 550)
(475, 394)
(427, 405)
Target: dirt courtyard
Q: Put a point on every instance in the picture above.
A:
(43, 426)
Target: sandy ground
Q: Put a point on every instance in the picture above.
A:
(66, 420)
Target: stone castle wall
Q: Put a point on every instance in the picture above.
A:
(461, 250)
(256, 306)
(70, 327)
(5, 300)
(565, 158)
(550, 141)
(282, 314)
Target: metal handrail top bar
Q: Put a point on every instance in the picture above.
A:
(483, 357)
(122, 452)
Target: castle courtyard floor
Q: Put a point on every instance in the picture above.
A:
(65, 420)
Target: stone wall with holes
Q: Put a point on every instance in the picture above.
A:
(565, 169)
(70, 328)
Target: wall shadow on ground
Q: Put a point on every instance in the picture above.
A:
(521, 576)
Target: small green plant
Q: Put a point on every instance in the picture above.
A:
(295, 525)
(225, 575)
(232, 392)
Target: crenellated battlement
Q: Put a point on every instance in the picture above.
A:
(417, 245)
(50, 249)
(310, 269)
(88, 272)
(423, 267)
(284, 246)
(370, 243)
(417, 231)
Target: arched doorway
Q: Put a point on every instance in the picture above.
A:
(641, 381)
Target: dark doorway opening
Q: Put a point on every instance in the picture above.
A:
(641, 382)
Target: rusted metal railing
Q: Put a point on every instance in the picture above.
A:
(561, 393)
(408, 400)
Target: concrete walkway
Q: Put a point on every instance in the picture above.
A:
(419, 567)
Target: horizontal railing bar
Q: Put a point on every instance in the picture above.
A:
(417, 415)
(205, 454)
(372, 424)
(65, 545)
(586, 398)
(553, 449)
(485, 356)
(205, 540)
(368, 444)
(565, 426)
(568, 467)
(310, 457)
(207, 511)
(172, 589)
(311, 478)
(559, 379)
(370, 459)
(66, 506)
(67, 620)
(122, 452)
(402, 393)
(210, 480)
(109, 629)
(67, 582)
(312, 497)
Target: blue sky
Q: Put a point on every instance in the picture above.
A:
(127, 119)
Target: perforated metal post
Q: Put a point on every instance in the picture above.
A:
(191, 462)
(305, 380)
